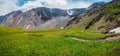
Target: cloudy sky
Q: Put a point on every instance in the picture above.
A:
(7, 6)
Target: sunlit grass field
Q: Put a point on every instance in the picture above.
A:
(54, 42)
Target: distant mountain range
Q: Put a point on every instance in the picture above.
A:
(44, 18)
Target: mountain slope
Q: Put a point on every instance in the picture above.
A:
(44, 18)
(8, 19)
(40, 18)
(102, 19)
(1, 19)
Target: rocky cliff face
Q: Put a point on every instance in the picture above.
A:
(8, 19)
(39, 18)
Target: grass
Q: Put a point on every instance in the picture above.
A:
(82, 34)
(25, 45)
(17, 42)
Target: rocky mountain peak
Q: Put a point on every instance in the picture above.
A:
(96, 5)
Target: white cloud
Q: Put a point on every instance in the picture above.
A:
(46, 3)
(64, 4)
(7, 6)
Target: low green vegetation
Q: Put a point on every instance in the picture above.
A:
(54, 42)
(74, 32)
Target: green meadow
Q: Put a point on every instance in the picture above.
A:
(55, 42)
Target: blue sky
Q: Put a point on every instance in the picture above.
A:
(24, 5)
(92, 1)
(22, 2)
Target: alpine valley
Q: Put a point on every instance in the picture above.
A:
(43, 31)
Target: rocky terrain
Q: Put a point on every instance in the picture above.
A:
(44, 18)
(39, 18)
(102, 19)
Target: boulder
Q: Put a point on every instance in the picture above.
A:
(116, 30)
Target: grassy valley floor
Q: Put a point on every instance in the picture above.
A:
(17, 42)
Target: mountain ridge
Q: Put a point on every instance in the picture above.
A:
(102, 19)
(38, 16)
(43, 18)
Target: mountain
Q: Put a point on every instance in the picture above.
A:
(44, 18)
(77, 11)
(39, 18)
(102, 19)
(96, 5)
(1, 19)
(8, 19)
(77, 19)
